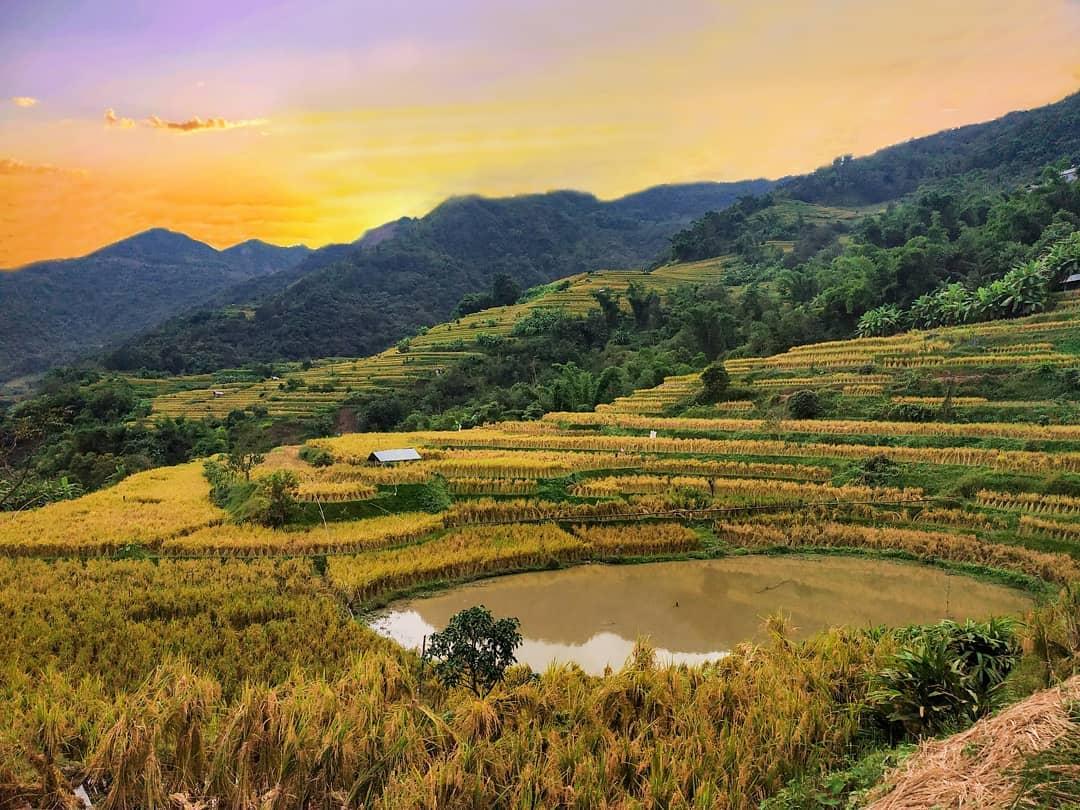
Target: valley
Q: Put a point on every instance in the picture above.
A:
(718, 495)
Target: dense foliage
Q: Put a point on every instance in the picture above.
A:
(474, 650)
(935, 247)
(85, 430)
(58, 311)
(370, 298)
(1008, 150)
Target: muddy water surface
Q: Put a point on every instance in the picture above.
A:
(697, 610)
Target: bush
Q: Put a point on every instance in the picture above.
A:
(434, 496)
(1060, 484)
(221, 481)
(946, 676)
(474, 650)
(966, 486)
(271, 501)
(715, 381)
(804, 404)
(910, 412)
(316, 456)
(876, 471)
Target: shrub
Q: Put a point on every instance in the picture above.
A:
(967, 486)
(715, 381)
(316, 456)
(271, 502)
(804, 404)
(910, 412)
(948, 675)
(221, 480)
(876, 471)
(434, 495)
(475, 650)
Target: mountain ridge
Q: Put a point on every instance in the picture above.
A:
(371, 293)
(58, 310)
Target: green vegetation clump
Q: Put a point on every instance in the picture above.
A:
(804, 404)
(945, 677)
(316, 456)
(474, 650)
(714, 384)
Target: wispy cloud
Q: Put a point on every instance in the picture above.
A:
(195, 124)
(11, 166)
(114, 120)
(201, 124)
(24, 101)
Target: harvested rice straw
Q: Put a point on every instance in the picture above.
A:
(976, 768)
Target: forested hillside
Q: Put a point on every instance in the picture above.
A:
(369, 297)
(1005, 152)
(54, 312)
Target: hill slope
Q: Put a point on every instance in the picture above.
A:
(383, 288)
(163, 574)
(1008, 151)
(53, 312)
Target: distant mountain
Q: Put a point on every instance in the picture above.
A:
(260, 258)
(56, 311)
(684, 200)
(1006, 151)
(412, 273)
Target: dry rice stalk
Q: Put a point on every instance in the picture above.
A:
(975, 769)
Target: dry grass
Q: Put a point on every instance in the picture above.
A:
(977, 768)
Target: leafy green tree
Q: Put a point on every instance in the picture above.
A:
(270, 501)
(880, 321)
(1063, 258)
(435, 496)
(474, 650)
(247, 448)
(504, 290)
(1027, 288)
(280, 490)
(804, 404)
(644, 305)
(609, 306)
(715, 381)
(710, 328)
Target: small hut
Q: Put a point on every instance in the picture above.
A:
(386, 457)
(1072, 282)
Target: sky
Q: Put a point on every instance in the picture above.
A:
(313, 120)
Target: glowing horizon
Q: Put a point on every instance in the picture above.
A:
(310, 123)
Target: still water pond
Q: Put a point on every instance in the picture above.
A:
(694, 611)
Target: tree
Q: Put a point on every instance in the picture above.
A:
(711, 329)
(246, 449)
(609, 306)
(880, 322)
(475, 649)
(1063, 258)
(270, 501)
(714, 383)
(804, 404)
(504, 290)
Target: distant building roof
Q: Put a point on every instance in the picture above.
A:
(393, 456)
(1073, 279)
(1070, 175)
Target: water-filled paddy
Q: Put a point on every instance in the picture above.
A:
(696, 610)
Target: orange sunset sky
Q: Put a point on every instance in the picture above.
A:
(313, 121)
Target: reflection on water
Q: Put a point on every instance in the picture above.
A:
(693, 611)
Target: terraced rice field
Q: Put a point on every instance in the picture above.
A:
(113, 584)
(328, 382)
(871, 366)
